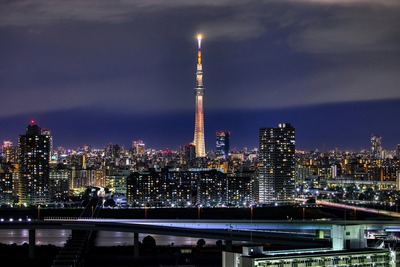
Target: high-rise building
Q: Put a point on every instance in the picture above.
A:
(9, 173)
(190, 152)
(222, 143)
(6, 188)
(276, 177)
(398, 150)
(59, 183)
(138, 147)
(376, 147)
(199, 93)
(177, 188)
(34, 158)
(47, 132)
(9, 152)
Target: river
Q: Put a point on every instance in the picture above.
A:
(104, 238)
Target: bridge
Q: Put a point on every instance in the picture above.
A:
(258, 232)
(297, 233)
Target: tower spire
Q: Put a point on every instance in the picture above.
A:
(199, 72)
(199, 93)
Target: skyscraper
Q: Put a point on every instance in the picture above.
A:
(398, 151)
(376, 147)
(138, 147)
(222, 143)
(190, 152)
(9, 152)
(34, 157)
(47, 132)
(198, 141)
(276, 164)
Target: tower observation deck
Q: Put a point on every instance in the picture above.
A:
(198, 141)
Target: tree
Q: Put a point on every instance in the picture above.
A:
(201, 242)
(109, 202)
(311, 201)
(219, 243)
(149, 243)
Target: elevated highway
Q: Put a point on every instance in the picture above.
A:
(290, 232)
(266, 232)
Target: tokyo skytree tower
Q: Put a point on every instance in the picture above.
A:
(198, 141)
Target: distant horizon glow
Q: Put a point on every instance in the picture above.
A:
(175, 130)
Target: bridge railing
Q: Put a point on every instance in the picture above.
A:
(61, 218)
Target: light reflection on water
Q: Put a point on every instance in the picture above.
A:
(105, 239)
(58, 237)
(43, 236)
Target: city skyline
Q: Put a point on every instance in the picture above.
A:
(99, 73)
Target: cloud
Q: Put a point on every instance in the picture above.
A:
(236, 22)
(332, 31)
(350, 30)
(389, 3)
(334, 85)
(133, 94)
(33, 12)
(228, 19)
(233, 28)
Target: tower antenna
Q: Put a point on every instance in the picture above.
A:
(198, 141)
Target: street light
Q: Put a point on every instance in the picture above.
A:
(38, 212)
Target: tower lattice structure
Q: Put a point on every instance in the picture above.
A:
(199, 141)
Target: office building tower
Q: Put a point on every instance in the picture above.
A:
(9, 152)
(47, 132)
(59, 183)
(176, 188)
(34, 158)
(6, 188)
(9, 173)
(190, 152)
(398, 151)
(138, 147)
(199, 93)
(276, 177)
(376, 147)
(112, 151)
(222, 143)
(116, 181)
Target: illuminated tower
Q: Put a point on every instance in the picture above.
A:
(198, 141)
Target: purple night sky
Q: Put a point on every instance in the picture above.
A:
(101, 72)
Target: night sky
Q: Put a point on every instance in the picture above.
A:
(109, 72)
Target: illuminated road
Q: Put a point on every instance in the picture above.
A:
(358, 208)
(285, 232)
(234, 231)
(299, 226)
